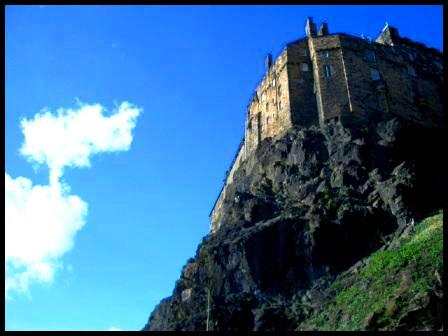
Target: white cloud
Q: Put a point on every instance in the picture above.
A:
(72, 136)
(41, 221)
(40, 225)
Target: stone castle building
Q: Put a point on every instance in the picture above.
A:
(325, 76)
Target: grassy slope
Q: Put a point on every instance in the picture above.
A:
(394, 290)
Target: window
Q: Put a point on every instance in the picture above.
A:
(411, 71)
(327, 71)
(267, 106)
(273, 81)
(325, 54)
(370, 56)
(267, 120)
(375, 74)
(280, 105)
(279, 90)
(304, 67)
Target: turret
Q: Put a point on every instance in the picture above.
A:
(310, 27)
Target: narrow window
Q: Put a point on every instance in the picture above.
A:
(280, 105)
(327, 71)
(304, 67)
(370, 56)
(267, 120)
(279, 90)
(411, 71)
(267, 106)
(375, 74)
(325, 54)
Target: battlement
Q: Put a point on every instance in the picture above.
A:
(326, 75)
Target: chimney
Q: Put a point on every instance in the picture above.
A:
(268, 62)
(310, 27)
(323, 30)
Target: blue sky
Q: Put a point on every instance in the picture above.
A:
(189, 73)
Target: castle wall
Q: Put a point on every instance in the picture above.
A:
(409, 81)
(215, 223)
(422, 67)
(268, 114)
(405, 76)
(364, 64)
(269, 111)
(301, 84)
(331, 89)
(215, 213)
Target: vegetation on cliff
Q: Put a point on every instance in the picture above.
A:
(399, 288)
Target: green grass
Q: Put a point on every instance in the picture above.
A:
(384, 287)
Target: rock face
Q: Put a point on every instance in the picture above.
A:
(304, 208)
(399, 287)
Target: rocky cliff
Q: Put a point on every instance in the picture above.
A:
(304, 215)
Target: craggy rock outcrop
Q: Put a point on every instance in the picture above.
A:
(302, 209)
(399, 287)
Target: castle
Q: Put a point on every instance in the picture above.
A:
(325, 76)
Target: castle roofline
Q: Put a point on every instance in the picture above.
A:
(421, 46)
(401, 40)
(296, 41)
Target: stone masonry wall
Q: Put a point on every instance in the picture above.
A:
(268, 113)
(301, 84)
(214, 215)
(331, 85)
